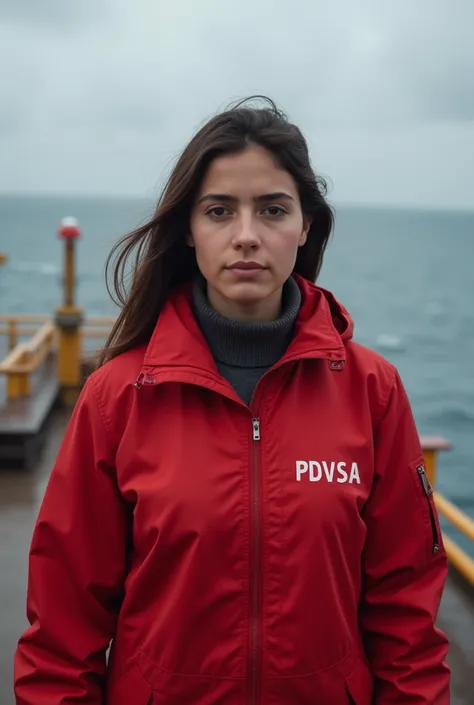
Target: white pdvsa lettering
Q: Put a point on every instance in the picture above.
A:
(314, 471)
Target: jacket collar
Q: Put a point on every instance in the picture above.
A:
(178, 349)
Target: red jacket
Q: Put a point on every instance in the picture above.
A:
(280, 554)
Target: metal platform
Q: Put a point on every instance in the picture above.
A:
(23, 420)
(20, 496)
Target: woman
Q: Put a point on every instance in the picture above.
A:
(239, 504)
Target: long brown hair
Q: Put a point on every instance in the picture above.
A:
(162, 258)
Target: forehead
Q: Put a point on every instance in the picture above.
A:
(253, 170)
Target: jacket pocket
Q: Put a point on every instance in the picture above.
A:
(130, 688)
(428, 494)
(360, 685)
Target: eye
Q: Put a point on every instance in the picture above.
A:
(217, 212)
(275, 211)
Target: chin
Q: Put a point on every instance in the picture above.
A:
(247, 292)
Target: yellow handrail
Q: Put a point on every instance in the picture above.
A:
(26, 325)
(100, 321)
(26, 358)
(23, 359)
(459, 559)
(24, 318)
(23, 331)
(36, 349)
(454, 515)
(43, 318)
(29, 324)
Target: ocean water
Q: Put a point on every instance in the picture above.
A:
(405, 276)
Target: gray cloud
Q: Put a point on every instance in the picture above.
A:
(122, 85)
(434, 60)
(51, 14)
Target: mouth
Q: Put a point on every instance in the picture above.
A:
(246, 267)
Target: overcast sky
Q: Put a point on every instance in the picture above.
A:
(99, 96)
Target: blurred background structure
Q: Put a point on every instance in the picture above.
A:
(97, 99)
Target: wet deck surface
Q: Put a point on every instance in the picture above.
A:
(22, 419)
(20, 495)
(26, 414)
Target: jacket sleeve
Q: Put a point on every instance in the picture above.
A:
(77, 568)
(404, 568)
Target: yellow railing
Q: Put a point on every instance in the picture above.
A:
(97, 327)
(20, 326)
(463, 563)
(25, 358)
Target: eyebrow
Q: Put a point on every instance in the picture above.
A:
(227, 198)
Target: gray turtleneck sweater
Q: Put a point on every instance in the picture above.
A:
(245, 351)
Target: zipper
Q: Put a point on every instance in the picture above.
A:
(428, 490)
(255, 575)
(255, 571)
(335, 365)
(256, 429)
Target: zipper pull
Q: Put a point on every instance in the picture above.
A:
(256, 429)
(143, 379)
(336, 365)
(425, 480)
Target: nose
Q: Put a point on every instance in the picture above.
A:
(246, 236)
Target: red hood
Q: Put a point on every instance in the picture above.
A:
(322, 327)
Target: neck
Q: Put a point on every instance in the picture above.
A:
(250, 342)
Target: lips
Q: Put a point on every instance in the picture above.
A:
(247, 266)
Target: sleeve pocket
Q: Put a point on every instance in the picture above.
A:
(426, 489)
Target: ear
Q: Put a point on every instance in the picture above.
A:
(304, 232)
(189, 240)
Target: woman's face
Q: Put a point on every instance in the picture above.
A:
(246, 227)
